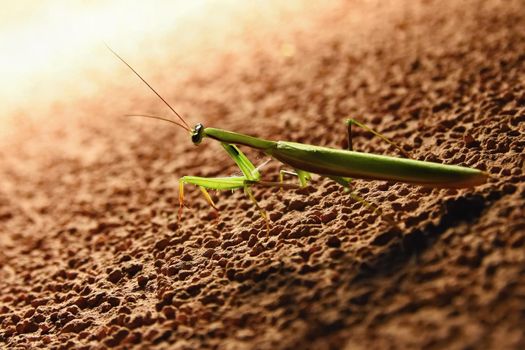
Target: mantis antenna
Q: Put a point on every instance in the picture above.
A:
(156, 117)
(151, 88)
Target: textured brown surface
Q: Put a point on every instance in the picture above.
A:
(92, 255)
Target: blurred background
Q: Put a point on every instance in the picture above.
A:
(53, 52)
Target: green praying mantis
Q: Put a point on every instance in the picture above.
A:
(339, 165)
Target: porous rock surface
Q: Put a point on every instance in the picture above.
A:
(92, 254)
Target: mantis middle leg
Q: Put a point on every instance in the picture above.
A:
(302, 175)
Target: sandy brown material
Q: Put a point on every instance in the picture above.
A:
(92, 254)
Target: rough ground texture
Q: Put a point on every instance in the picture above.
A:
(92, 254)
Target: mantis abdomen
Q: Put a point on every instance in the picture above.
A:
(343, 163)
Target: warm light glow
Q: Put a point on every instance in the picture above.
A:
(54, 50)
(50, 42)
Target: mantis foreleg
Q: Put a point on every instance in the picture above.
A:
(218, 183)
(249, 193)
(251, 176)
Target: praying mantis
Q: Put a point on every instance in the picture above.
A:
(339, 165)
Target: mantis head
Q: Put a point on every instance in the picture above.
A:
(197, 134)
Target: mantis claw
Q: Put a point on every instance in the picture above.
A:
(208, 198)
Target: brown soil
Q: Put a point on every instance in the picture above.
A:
(92, 254)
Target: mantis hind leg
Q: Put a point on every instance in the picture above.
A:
(351, 121)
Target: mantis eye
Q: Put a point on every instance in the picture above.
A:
(196, 136)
